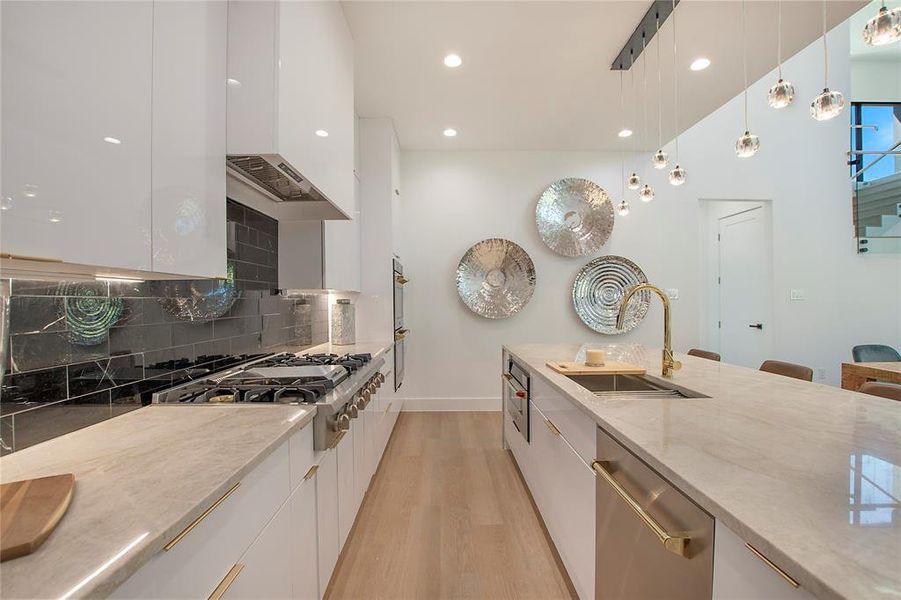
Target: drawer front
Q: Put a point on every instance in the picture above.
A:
(195, 565)
(578, 428)
(300, 446)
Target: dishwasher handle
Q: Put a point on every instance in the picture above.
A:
(677, 543)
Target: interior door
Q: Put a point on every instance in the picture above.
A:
(744, 288)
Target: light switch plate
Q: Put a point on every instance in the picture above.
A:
(796, 295)
(672, 293)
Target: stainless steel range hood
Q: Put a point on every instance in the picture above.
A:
(271, 175)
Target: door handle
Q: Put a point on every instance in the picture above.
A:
(756, 325)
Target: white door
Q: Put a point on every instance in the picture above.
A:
(304, 559)
(744, 286)
(327, 517)
(265, 569)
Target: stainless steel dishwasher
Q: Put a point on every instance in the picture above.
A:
(652, 541)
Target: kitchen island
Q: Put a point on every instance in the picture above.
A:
(775, 460)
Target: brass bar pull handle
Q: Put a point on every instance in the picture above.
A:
(400, 336)
(401, 279)
(551, 426)
(309, 474)
(673, 542)
(31, 258)
(387, 410)
(202, 516)
(788, 578)
(226, 582)
(337, 440)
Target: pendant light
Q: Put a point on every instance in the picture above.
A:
(634, 182)
(677, 175)
(748, 144)
(884, 28)
(829, 104)
(646, 193)
(623, 207)
(783, 92)
(659, 160)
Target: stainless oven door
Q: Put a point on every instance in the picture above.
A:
(516, 402)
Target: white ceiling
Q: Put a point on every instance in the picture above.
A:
(536, 74)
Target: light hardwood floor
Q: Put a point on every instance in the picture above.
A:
(448, 516)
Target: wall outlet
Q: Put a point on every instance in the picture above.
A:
(796, 296)
(821, 373)
(672, 293)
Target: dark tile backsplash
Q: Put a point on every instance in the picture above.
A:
(83, 352)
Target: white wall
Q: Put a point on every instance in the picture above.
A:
(876, 80)
(454, 199)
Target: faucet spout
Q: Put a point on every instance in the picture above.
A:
(670, 364)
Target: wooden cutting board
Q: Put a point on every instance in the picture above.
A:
(30, 510)
(610, 368)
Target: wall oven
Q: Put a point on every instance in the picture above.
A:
(400, 332)
(516, 396)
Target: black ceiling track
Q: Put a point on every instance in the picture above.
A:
(660, 10)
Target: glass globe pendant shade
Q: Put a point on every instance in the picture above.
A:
(633, 182)
(884, 28)
(659, 160)
(622, 208)
(781, 94)
(646, 193)
(747, 145)
(827, 105)
(677, 176)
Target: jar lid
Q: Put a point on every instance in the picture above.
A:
(343, 301)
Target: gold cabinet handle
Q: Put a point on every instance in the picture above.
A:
(387, 410)
(226, 582)
(551, 426)
(401, 279)
(673, 542)
(337, 440)
(202, 516)
(400, 336)
(788, 578)
(31, 258)
(311, 472)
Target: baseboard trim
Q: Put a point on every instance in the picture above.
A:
(451, 404)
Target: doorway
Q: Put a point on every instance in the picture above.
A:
(739, 261)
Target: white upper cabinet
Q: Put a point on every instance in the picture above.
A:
(76, 143)
(290, 103)
(188, 178)
(114, 135)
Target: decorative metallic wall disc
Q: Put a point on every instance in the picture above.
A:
(599, 289)
(201, 300)
(495, 278)
(574, 217)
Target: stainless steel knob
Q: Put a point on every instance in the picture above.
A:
(353, 411)
(359, 403)
(366, 396)
(342, 423)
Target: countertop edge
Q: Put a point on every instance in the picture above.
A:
(808, 580)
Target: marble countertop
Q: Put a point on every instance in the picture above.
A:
(791, 466)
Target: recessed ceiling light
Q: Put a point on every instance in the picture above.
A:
(453, 61)
(449, 132)
(624, 133)
(322, 133)
(699, 64)
(112, 140)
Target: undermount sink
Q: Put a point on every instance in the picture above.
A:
(632, 386)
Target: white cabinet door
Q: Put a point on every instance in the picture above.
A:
(361, 478)
(739, 574)
(316, 44)
(76, 144)
(265, 569)
(188, 148)
(327, 516)
(347, 496)
(304, 558)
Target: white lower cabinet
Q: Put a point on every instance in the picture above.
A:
(264, 571)
(347, 493)
(304, 553)
(361, 476)
(328, 534)
(739, 574)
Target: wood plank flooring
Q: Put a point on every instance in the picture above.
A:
(448, 516)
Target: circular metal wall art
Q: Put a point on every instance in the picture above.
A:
(495, 278)
(574, 217)
(599, 289)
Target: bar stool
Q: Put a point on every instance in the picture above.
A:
(875, 353)
(787, 369)
(704, 354)
(881, 389)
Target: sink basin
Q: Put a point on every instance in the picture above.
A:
(632, 386)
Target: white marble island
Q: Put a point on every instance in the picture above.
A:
(774, 459)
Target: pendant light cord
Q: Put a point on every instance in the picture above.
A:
(644, 76)
(744, 60)
(779, 40)
(659, 90)
(825, 52)
(675, 86)
(622, 154)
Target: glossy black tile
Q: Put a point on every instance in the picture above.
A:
(90, 377)
(54, 420)
(40, 350)
(23, 391)
(36, 314)
(257, 220)
(234, 211)
(139, 338)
